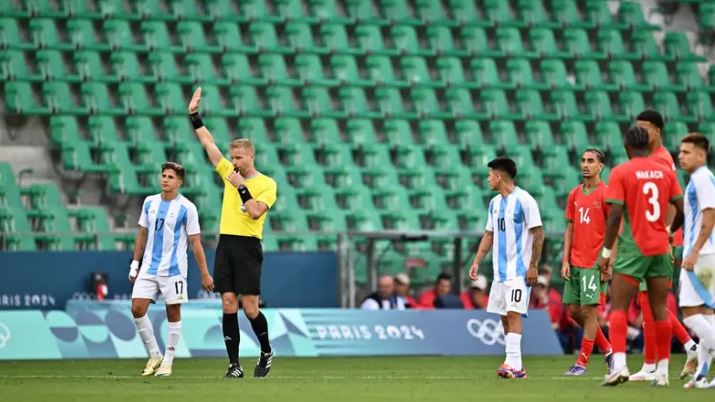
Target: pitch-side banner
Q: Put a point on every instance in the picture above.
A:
(107, 331)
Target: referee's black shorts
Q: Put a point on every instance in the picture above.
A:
(238, 265)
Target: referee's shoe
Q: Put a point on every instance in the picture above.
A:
(264, 364)
(234, 371)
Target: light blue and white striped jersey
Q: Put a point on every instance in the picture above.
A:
(510, 219)
(168, 223)
(699, 195)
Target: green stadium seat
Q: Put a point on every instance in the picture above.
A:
(325, 131)
(631, 14)
(170, 98)
(554, 161)
(344, 70)
(335, 155)
(553, 74)
(81, 9)
(373, 155)
(520, 74)
(441, 41)
(530, 105)
(473, 40)
(598, 103)
(157, 37)
(263, 35)
(611, 137)
(202, 69)
(15, 66)
(45, 34)
(10, 36)
(677, 45)
(404, 40)
(151, 10)
(119, 35)
(256, 10)
(136, 99)
(304, 175)
(621, 74)
(90, 67)
(112, 9)
(597, 12)
(397, 132)
(460, 104)
(101, 129)
(673, 131)
(427, 199)
(510, 43)
(540, 135)
(187, 10)
(432, 132)
(193, 38)
(574, 135)
(576, 42)
(499, 13)
(688, 76)
(83, 36)
(229, 38)
(274, 70)
(700, 106)
(245, 100)
(253, 128)
(485, 71)
(360, 131)
(281, 102)
(52, 66)
(566, 12)
(631, 104)
(19, 99)
(543, 43)
(369, 41)
(656, 76)
(236, 68)
(496, 105)
(396, 11)
(468, 133)
(300, 38)
(668, 105)
(443, 156)
(328, 10)
(64, 129)
(563, 102)
(416, 72)
(355, 103)
(469, 195)
(96, 97)
(353, 197)
(60, 99)
(449, 176)
(471, 221)
(127, 67)
(390, 103)
(319, 103)
(644, 46)
(288, 131)
(706, 18)
(451, 73)
(477, 158)
(317, 199)
(588, 76)
(503, 133)
(426, 104)
(381, 72)
(534, 15)
(139, 129)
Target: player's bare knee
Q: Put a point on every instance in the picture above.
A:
(138, 310)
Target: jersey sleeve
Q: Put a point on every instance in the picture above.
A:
(532, 214)
(144, 217)
(223, 168)
(616, 192)
(569, 206)
(268, 194)
(705, 191)
(490, 224)
(192, 221)
(675, 190)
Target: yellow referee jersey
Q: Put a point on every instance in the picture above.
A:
(234, 219)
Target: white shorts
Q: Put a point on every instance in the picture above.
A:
(511, 295)
(698, 287)
(171, 289)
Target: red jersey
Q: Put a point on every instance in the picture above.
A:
(646, 187)
(587, 213)
(663, 156)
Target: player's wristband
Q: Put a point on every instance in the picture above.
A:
(606, 253)
(195, 119)
(244, 193)
(134, 265)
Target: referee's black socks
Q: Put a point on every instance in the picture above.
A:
(260, 328)
(231, 336)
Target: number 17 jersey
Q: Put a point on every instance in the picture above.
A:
(646, 187)
(587, 213)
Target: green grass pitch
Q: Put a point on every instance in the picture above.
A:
(330, 379)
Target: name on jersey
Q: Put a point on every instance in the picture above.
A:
(649, 174)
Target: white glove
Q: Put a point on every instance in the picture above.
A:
(133, 270)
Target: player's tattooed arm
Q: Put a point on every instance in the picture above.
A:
(484, 246)
(532, 274)
(205, 137)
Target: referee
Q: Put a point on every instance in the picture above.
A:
(247, 196)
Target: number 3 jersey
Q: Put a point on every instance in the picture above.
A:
(168, 224)
(646, 187)
(587, 212)
(510, 219)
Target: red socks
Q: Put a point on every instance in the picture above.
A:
(586, 350)
(663, 331)
(619, 328)
(678, 330)
(602, 342)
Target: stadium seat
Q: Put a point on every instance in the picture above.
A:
(460, 104)
(566, 12)
(700, 106)
(45, 34)
(238, 70)
(631, 15)
(325, 131)
(656, 76)
(631, 103)
(543, 44)
(531, 106)
(355, 104)
(474, 41)
(621, 74)
(588, 76)
(578, 45)
(381, 72)
(15, 66)
(677, 45)
(688, 76)
(274, 70)
(441, 40)
(575, 135)
(520, 74)
(202, 69)
(484, 71)
(668, 105)
(554, 75)
(360, 131)
(83, 36)
(119, 35)
(344, 71)
(415, 71)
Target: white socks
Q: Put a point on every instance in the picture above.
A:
(513, 350)
(704, 328)
(173, 341)
(662, 367)
(619, 360)
(648, 367)
(146, 332)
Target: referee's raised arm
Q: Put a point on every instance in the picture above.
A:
(207, 140)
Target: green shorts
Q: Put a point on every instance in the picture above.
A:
(585, 287)
(640, 267)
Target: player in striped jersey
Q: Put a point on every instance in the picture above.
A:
(697, 280)
(515, 232)
(168, 223)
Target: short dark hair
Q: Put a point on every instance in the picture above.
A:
(652, 117)
(505, 165)
(698, 140)
(599, 154)
(637, 137)
(443, 276)
(175, 167)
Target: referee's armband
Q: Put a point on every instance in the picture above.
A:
(195, 119)
(244, 193)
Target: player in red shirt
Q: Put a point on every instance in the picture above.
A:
(642, 188)
(585, 230)
(652, 121)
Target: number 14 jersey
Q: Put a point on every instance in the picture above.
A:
(587, 212)
(646, 188)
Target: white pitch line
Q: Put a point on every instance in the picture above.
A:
(278, 377)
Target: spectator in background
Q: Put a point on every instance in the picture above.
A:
(384, 298)
(442, 286)
(477, 296)
(542, 297)
(402, 290)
